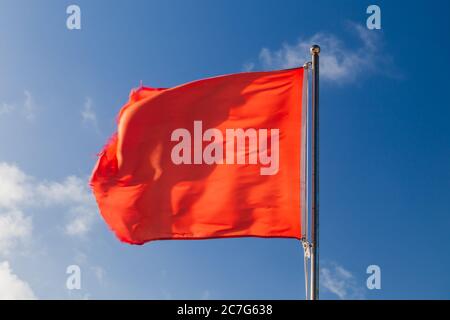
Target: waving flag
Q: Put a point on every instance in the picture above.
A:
(214, 158)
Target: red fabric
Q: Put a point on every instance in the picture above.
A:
(143, 195)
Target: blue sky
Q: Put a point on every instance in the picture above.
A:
(384, 153)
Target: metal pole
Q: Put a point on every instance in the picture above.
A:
(315, 50)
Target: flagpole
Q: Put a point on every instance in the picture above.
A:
(315, 50)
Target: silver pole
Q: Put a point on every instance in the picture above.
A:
(315, 50)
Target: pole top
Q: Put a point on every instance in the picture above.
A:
(315, 49)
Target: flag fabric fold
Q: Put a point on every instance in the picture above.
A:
(214, 158)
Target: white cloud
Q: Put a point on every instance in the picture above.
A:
(338, 60)
(82, 218)
(11, 286)
(72, 190)
(88, 114)
(341, 282)
(13, 186)
(20, 193)
(73, 194)
(15, 227)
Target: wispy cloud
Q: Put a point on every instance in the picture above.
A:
(6, 108)
(26, 108)
(98, 271)
(29, 107)
(249, 66)
(88, 115)
(339, 60)
(341, 282)
(206, 295)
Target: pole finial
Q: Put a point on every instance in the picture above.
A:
(315, 49)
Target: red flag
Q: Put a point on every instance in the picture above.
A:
(214, 158)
